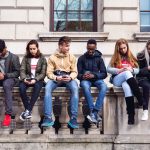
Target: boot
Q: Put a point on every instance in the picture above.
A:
(136, 90)
(130, 109)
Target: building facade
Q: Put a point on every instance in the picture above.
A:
(47, 20)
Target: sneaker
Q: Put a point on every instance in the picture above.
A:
(144, 115)
(25, 115)
(73, 123)
(7, 120)
(47, 122)
(99, 119)
(92, 118)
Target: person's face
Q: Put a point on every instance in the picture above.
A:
(64, 48)
(91, 49)
(2, 53)
(123, 49)
(148, 48)
(33, 49)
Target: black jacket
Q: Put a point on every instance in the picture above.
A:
(94, 64)
(144, 73)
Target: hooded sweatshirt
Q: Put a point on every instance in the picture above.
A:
(63, 62)
(93, 64)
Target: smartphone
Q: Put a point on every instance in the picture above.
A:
(64, 76)
(28, 79)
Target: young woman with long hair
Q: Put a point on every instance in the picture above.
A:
(123, 66)
(32, 74)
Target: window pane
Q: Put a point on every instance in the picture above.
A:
(73, 4)
(144, 4)
(73, 16)
(86, 4)
(59, 4)
(86, 25)
(60, 15)
(59, 25)
(87, 16)
(145, 18)
(73, 26)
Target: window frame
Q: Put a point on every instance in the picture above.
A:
(143, 11)
(51, 27)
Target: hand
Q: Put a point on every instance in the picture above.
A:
(129, 68)
(33, 81)
(26, 81)
(1, 76)
(66, 79)
(148, 67)
(88, 76)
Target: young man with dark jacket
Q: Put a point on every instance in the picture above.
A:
(9, 73)
(91, 72)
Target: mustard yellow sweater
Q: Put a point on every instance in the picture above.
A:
(64, 62)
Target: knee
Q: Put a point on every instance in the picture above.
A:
(7, 86)
(104, 87)
(84, 84)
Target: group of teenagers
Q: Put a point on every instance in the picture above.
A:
(62, 69)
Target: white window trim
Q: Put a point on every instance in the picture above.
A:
(142, 36)
(75, 36)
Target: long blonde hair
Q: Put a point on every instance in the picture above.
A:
(116, 58)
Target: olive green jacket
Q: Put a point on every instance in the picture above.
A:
(25, 70)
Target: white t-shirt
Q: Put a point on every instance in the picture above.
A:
(33, 66)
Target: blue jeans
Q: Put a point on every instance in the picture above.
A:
(28, 104)
(102, 87)
(120, 80)
(50, 86)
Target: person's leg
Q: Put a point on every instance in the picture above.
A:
(36, 91)
(145, 84)
(86, 86)
(135, 90)
(50, 86)
(25, 99)
(129, 102)
(120, 81)
(102, 87)
(73, 87)
(8, 85)
(121, 77)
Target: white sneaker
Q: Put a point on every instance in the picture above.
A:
(144, 115)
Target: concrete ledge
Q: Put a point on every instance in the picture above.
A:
(75, 36)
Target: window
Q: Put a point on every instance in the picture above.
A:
(145, 15)
(73, 15)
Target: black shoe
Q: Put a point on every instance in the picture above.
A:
(131, 119)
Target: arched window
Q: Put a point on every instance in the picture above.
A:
(73, 15)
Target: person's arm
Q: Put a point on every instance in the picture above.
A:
(80, 68)
(73, 68)
(112, 70)
(15, 68)
(51, 69)
(102, 74)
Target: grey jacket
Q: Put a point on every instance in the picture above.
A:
(12, 66)
(25, 70)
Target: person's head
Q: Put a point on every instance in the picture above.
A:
(64, 44)
(122, 49)
(91, 46)
(32, 49)
(148, 46)
(3, 48)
